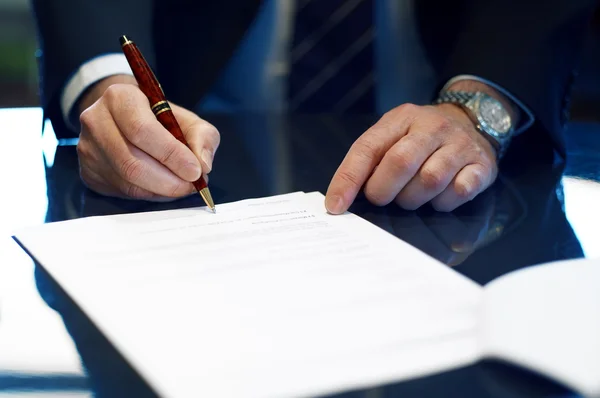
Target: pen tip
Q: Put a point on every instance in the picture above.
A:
(214, 210)
(205, 193)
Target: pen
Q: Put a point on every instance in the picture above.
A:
(149, 85)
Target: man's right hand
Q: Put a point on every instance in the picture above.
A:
(124, 151)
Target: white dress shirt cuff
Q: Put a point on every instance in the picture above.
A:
(526, 122)
(89, 73)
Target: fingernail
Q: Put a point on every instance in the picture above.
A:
(334, 204)
(207, 157)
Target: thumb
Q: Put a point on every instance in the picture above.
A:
(202, 137)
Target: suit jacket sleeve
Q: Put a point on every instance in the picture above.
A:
(71, 32)
(530, 48)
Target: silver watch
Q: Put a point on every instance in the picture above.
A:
(489, 116)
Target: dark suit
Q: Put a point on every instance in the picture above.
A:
(530, 48)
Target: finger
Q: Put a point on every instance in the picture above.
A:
(134, 118)
(432, 178)
(129, 166)
(204, 140)
(400, 164)
(100, 184)
(467, 184)
(364, 155)
(138, 170)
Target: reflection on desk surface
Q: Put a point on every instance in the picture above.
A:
(539, 213)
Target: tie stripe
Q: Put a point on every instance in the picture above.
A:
(330, 70)
(332, 57)
(362, 88)
(314, 37)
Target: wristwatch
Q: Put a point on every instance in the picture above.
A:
(487, 113)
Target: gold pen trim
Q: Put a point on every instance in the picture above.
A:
(159, 103)
(160, 107)
(161, 111)
(126, 43)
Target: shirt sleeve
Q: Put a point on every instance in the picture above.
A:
(525, 122)
(86, 75)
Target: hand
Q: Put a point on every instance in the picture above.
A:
(124, 151)
(414, 155)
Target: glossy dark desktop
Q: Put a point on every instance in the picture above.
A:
(539, 210)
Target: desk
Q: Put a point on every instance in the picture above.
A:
(538, 211)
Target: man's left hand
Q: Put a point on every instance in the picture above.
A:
(414, 155)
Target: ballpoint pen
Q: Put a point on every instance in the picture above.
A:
(149, 85)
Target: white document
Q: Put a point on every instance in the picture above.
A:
(547, 318)
(270, 297)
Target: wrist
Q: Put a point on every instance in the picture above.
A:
(95, 91)
(473, 86)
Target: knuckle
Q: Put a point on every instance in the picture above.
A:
(349, 177)
(443, 124)
(216, 136)
(375, 136)
(121, 95)
(212, 133)
(486, 155)
(366, 147)
(114, 92)
(480, 155)
(406, 108)
(467, 188)
(463, 191)
(86, 118)
(479, 176)
(464, 141)
(400, 160)
(432, 178)
(132, 169)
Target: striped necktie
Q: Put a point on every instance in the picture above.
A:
(331, 59)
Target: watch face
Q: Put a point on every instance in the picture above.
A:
(493, 115)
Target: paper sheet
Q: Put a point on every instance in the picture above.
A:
(547, 318)
(269, 297)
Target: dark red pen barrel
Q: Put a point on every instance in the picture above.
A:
(167, 119)
(146, 80)
(149, 85)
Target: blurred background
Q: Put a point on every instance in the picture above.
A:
(18, 67)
